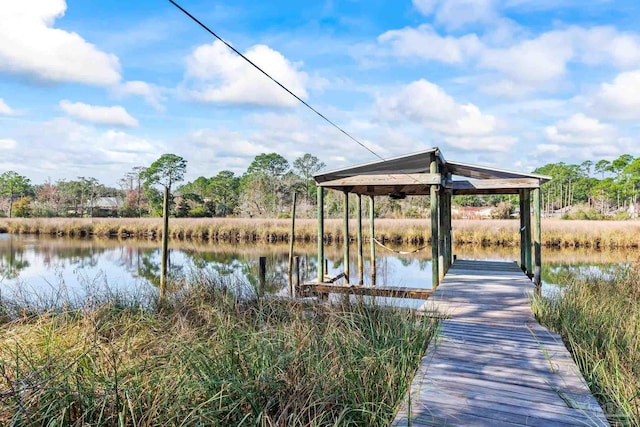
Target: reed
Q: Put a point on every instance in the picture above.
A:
(205, 357)
(598, 317)
(555, 233)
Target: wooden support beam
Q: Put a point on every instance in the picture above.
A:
(329, 279)
(494, 184)
(537, 238)
(434, 190)
(441, 234)
(527, 232)
(372, 235)
(391, 179)
(378, 291)
(320, 234)
(359, 242)
(448, 232)
(345, 232)
(523, 259)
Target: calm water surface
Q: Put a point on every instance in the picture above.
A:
(55, 268)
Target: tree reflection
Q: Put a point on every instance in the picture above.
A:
(12, 260)
(148, 266)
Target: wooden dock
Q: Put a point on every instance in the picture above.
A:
(491, 363)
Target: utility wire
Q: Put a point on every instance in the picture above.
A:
(347, 134)
(306, 104)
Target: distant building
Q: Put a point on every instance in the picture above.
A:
(105, 206)
(471, 212)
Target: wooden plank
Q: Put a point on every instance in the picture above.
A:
(494, 184)
(491, 362)
(386, 291)
(391, 179)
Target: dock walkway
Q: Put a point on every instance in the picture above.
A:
(491, 363)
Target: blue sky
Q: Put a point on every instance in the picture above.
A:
(95, 88)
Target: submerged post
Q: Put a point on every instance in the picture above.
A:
(537, 239)
(523, 259)
(296, 287)
(320, 234)
(346, 236)
(262, 275)
(372, 234)
(359, 242)
(527, 232)
(435, 275)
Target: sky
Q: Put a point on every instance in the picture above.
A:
(95, 88)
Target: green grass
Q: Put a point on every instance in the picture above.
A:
(599, 320)
(204, 358)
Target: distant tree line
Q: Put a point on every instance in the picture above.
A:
(265, 189)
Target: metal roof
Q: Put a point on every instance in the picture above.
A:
(410, 175)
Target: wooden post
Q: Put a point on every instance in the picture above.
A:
(372, 234)
(537, 239)
(523, 259)
(320, 235)
(292, 238)
(359, 241)
(296, 287)
(449, 203)
(165, 243)
(435, 275)
(527, 231)
(447, 231)
(262, 275)
(441, 233)
(346, 236)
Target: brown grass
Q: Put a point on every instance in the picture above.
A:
(555, 233)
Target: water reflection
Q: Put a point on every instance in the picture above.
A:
(43, 265)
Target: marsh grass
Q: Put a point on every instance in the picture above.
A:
(555, 233)
(204, 357)
(599, 320)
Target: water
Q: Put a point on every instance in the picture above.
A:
(44, 268)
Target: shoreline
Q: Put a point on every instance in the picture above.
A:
(555, 233)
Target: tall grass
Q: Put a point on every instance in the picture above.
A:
(203, 357)
(555, 233)
(599, 320)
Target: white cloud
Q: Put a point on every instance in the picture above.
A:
(532, 63)
(5, 109)
(152, 94)
(79, 150)
(427, 104)
(215, 74)
(8, 144)
(31, 46)
(115, 115)
(605, 45)
(582, 130)
(486, 143)
(549, 148)
(619, 99)
(425, 43)
(458, 13)
(462, 126)
(426, 7)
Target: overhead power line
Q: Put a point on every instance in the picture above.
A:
(306, 104)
